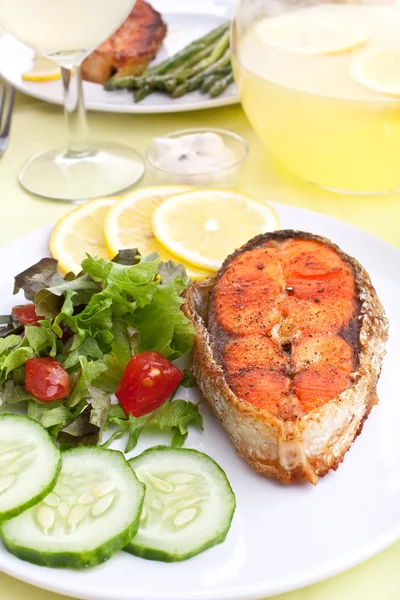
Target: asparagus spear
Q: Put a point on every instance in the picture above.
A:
(171, 84)
(221, 85)
(119, 83)
(142, 93)
(195, 59)
(193, 83)
(218, 51)
(209, 80)
(178, 59)
(156, 82)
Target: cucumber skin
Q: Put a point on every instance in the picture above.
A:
(72, 560)
(15, 512)
(81, 560)
(161, 555)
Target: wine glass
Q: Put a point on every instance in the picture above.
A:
(319, 83)
(66, 31)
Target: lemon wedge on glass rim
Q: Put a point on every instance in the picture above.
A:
(202, 227)
(43, 69)
(378, 70)
(79, 232)
(325, 29)
(128, 224)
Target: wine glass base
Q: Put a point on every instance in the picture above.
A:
(78, 176)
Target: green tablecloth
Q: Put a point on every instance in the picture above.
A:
(37, 126)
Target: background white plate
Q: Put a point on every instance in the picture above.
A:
(282, 537)
(183, 28)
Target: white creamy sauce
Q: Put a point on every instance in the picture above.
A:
(192, 153)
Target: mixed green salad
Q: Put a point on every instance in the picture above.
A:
(65, 499)
(92, 325)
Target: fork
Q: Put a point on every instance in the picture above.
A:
(6, 108)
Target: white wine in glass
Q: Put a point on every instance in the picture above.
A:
(67, 31)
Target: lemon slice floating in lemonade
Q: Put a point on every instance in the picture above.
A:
(79, 232)
(325, 29)
(129, 224)
(203, 226)
(378, 70)
(43, 69)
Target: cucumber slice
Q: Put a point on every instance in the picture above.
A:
(29, 464)
(91, 514)
(189, 504)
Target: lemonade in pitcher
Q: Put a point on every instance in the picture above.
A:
(321, 85)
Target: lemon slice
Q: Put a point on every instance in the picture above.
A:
(378, 70)
(129, 224)
(203, 226)
(79, 232)
(327, 29)
(43, 69)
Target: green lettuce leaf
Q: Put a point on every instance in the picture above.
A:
(97, 314)
(16, 358)
(12, 393)
(79, 431)
(87, 428)
(175, 415)
(65, 316)
(42, 339)
(9, 343)
(89, 348)
(170, 270)
(49, 301)
(188, 380)
(115, 360)
(90, 370)
(101, 404)
(129, 286)
(118, 416)
(162, 325)
(53, 415)
(115, 436)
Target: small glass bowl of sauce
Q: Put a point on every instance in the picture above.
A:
(201, 157)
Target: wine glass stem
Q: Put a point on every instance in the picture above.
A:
(75, 113)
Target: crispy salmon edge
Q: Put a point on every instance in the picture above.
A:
(309, 446)
(144, 27)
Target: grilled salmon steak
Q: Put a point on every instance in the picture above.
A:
(130, 49)
(288, 352)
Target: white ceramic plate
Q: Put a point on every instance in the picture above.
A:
(183, 28)
(282, 537)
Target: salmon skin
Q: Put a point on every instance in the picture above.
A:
(290, 337)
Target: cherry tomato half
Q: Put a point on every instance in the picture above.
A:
(26, 315)
(149, 379)
(46, 379)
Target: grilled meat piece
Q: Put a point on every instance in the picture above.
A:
(130, 49)
(288, 352)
